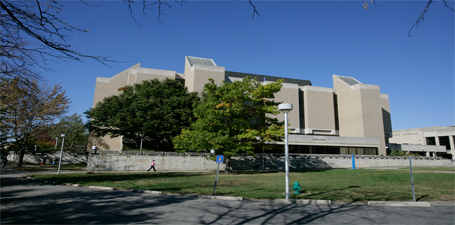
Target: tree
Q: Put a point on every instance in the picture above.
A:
(422, 14)
(153, 111)
(233, 118)
(28, 108)
(32, 34)
(73, 126)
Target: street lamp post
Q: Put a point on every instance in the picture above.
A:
(61, 153)
(286, 108)
(56, 140)
(142, 136)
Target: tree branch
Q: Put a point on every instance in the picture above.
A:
(421, 17)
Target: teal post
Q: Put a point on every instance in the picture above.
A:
(353, 161)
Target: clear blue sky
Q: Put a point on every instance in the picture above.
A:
(297, 39)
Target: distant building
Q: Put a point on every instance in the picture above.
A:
(428, 141)
(351, 117)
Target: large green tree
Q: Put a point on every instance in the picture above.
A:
(27, 107)
(233, 118)
(73, 126)
(153, 110)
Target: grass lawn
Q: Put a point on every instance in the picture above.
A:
(336, 185)
(36, 168)
(430, 168)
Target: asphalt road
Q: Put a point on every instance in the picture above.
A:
(30, 202)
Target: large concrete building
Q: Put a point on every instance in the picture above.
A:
(428, 141)
(351, 117)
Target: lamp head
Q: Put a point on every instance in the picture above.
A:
(285, 107)
(63, 135)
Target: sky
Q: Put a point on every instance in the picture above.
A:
(310, 40)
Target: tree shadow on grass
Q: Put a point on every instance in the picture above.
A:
(105, 177)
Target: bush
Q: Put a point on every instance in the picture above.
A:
(401, 153)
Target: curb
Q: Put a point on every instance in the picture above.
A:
(313, 202)
(304, 201)
(400, 204)
(103, 188)
(148, 192)
(72, 185)
(50, 182)
(219, 197)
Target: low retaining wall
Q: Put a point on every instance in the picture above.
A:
(303, 161)
(68, 157)
(171, 161)
(137, 161)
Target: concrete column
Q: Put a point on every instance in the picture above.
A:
(436, 138)
(452, 147)
(427, 153)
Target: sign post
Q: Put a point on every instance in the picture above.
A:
(219, 159)
(412, 180)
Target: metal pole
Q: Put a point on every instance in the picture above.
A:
(141, 143)
(286, 153)
(61, 153)
(263, 159)
(412, 180)
(56, 140)
(353, 161)
(216, 179)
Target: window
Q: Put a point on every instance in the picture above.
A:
(344, 150)
(444, 141)
(430, 140)
(301, 109)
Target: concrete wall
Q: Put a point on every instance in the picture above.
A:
(128, 161)
(319, 110)
(360, 110)
(289, 93)
(138, 161)
(67, 157)
(386, 117)
(301, 161)
(198, 75)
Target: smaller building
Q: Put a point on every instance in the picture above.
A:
(429, 141)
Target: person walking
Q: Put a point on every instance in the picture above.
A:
(152, 165)
(43, 162)
(4, 161)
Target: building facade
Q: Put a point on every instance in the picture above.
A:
(428, 141)
(351, 117)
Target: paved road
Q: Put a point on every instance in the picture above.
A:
(30, 202)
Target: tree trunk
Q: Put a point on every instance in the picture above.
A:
(21, 157)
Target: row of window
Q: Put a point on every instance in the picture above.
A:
(443, 141)
(305, 149)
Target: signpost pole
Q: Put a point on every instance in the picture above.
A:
(216, 179)
(219, 159)
(412, 180)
